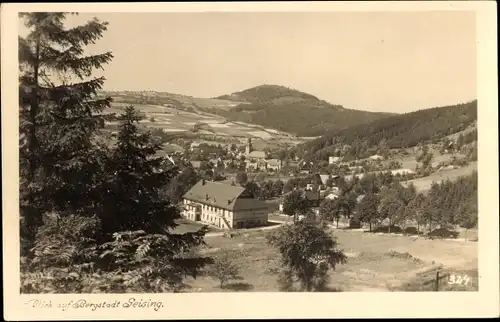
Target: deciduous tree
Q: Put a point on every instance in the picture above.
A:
(307, 251)
(295, 204)
(242, 178)
(330, 210)
(367, 209)
(224, 269)
(390, 206)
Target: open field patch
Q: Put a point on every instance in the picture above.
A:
(272, 131)
(374, 262)
(211, 121)
(174, 120)
(173, 129)
(260, 134)
(424, 184)
(219, 125)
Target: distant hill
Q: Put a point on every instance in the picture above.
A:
(292, 111)
(266, 93)
(399, 131)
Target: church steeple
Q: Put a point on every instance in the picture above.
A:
(248, 148)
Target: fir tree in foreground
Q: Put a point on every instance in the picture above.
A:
(93, 218)
(59, 117)
(135, 208)
(133, 196)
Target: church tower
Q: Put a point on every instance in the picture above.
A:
(248, 148)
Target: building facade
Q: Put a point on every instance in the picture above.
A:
(274, 165)
(224, 206)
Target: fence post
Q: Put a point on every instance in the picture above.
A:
(436, 286)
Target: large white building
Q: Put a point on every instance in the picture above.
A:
(224, 205)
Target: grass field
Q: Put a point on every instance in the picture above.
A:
(424, 184)
(173, 120)
(375, 262)
(409, 161)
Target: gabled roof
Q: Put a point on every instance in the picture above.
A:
(274, 162)
(257, 154)
(222, 195)
(308, 194)
(324, 178)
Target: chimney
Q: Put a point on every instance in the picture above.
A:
(228, 201)
(202, 182)
(206, 196)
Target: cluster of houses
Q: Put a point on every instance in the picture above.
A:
(259, 161)
(254, 160)
(231, 206)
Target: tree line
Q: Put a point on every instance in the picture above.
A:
(399, 131)
(397, 207)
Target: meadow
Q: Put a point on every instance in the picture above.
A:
(173, 120)
(424, 184)
(376, 262)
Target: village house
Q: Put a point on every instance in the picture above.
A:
(255, 165)
(258, 160)
(313, 198)
(224, 205)
(376, 157)
(333, 193)
(349, 177)
(194, 145)
(305, 167)
(332, 160)
(324, 180)
(273, 165)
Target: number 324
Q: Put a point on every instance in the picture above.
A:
(459, 279)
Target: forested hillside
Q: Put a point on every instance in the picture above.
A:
(264, 93)
(399, 131)
(293, 111)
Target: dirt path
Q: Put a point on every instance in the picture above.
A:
(221, 233)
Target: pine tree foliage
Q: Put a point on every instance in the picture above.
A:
(135, 180)
(134, 207)
(93, 218)
(64, 255)
(153, 262)
(59, 115)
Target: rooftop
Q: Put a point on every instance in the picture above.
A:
(257, 154)
(274, 162)
(223, 195)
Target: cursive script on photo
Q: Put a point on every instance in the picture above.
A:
(132, 302)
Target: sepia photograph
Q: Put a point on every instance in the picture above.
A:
(214, 152)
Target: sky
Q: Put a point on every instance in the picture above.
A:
(375, 61)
